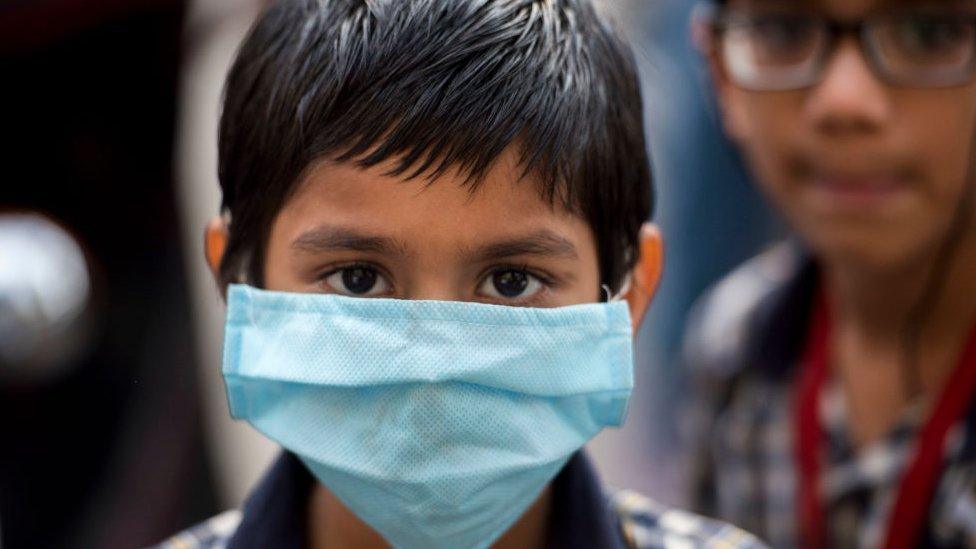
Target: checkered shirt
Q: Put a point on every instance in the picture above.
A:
(583, 516)
(742, 435)
(647, 524)
(644, 524)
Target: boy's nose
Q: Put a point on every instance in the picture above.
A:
(433, 289)
(849, 99)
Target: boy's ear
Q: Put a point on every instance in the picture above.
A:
(646, 275)
(214, 243)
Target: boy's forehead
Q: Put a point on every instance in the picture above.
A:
(341, 207)
(505, 194)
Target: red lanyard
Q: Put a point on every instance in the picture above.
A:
(909, 513)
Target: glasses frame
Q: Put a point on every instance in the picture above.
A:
(861, 30)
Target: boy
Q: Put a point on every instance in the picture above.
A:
(841, 370)
(483, 163)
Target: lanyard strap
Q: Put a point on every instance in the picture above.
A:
(809, 432)
(909, 513)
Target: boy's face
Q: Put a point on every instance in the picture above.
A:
(869, 173)
(359, 232)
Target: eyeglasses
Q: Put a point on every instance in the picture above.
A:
(784, 51)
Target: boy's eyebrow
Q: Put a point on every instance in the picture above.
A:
(543, 243)
(333, 238)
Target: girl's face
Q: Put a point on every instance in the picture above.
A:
(869, 174)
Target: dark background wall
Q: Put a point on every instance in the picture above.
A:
(108, 453)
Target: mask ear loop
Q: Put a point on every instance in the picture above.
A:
(608, 293)
(242, 276)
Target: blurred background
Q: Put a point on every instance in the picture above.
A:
(113, 419)
(711, 218)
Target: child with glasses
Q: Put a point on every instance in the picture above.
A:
(838, 371)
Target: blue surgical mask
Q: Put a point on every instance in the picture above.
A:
(437, 423)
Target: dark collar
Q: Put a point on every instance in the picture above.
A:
(274, 514)
(581, 514)
(779, 325)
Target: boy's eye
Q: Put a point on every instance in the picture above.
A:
(510, 284)
(358, 280)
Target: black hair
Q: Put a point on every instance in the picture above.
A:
(434, 84)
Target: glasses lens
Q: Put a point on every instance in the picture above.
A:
(773, 51)
(925, 50)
